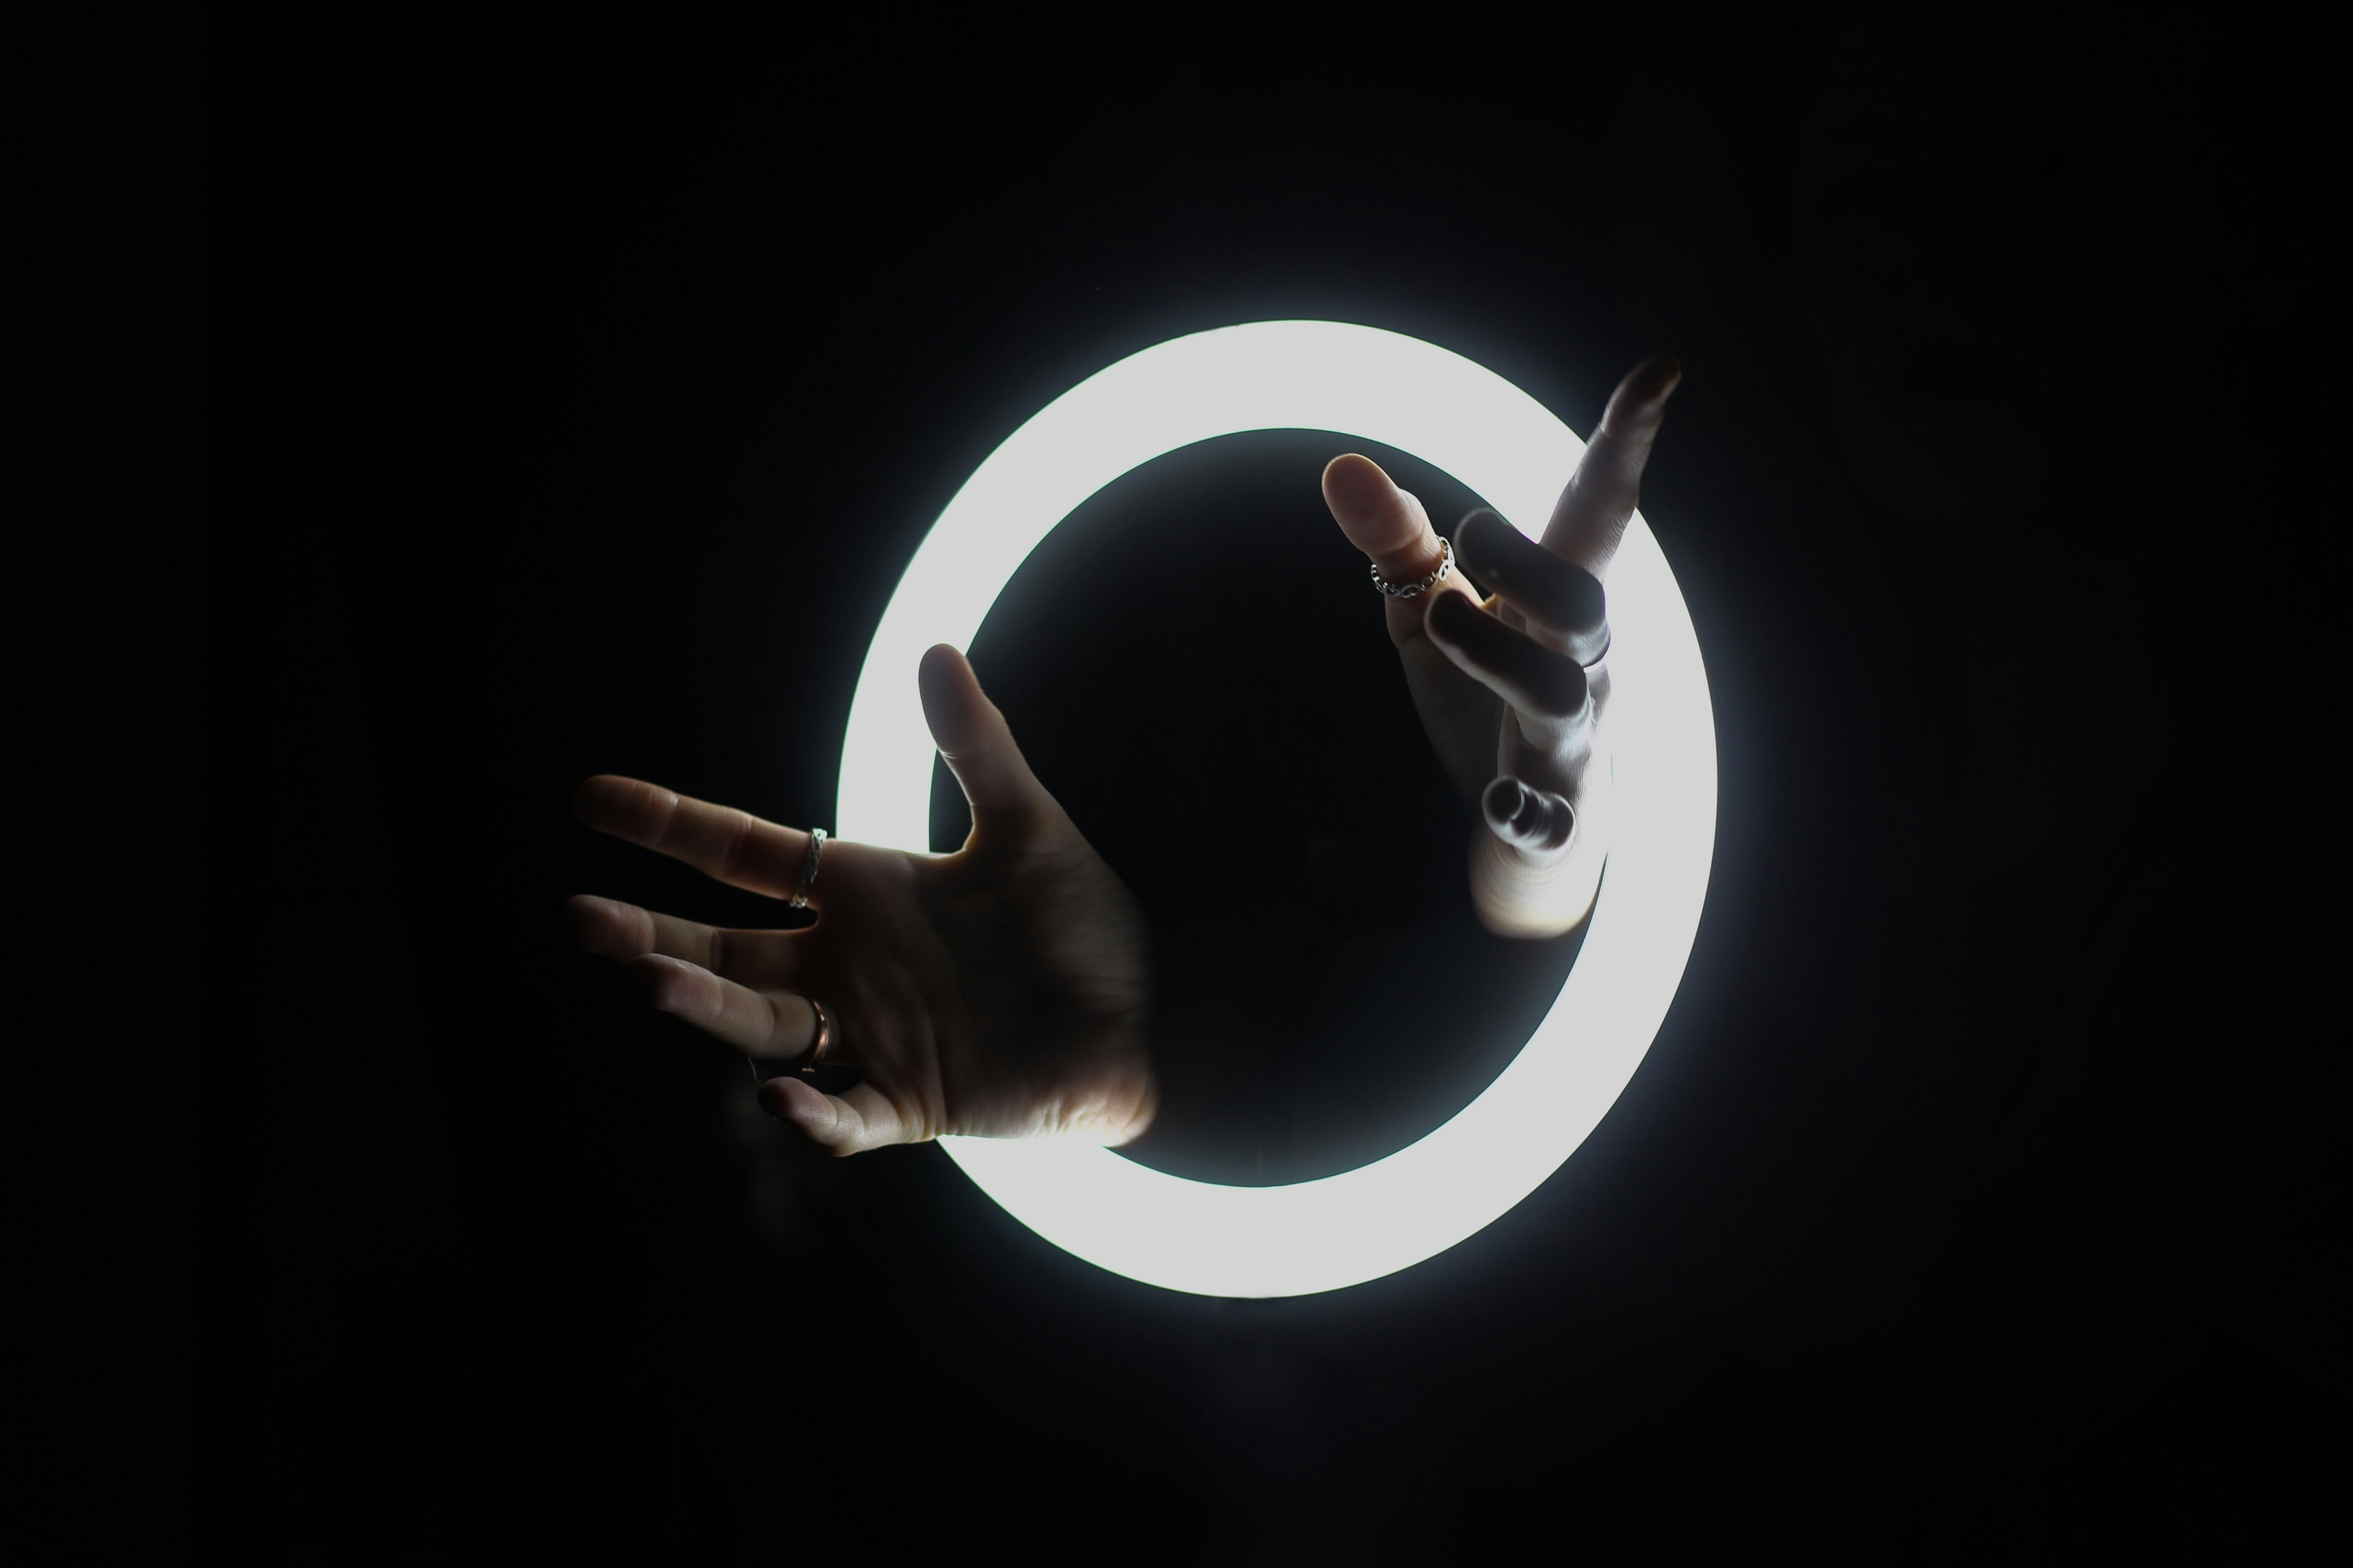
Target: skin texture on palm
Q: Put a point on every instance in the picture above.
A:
(999, 991)
(1513, 690)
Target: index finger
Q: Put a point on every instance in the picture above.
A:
(1599, 500)
(1386, 523)
(1390, 526)
(734, 846)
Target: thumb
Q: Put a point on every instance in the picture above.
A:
(974, 740)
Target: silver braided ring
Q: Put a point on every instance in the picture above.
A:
(808, 871)
(1408, 590)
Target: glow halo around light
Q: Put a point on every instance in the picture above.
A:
(1508, 448)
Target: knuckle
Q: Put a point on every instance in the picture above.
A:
(1559, 693)
(737, 846)
(846, 1135)
(665, 807)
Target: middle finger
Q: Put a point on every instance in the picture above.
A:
(611, 929)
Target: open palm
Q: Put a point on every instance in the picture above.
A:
(999, 991)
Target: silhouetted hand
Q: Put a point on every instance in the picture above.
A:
(998, 991)
(1514, 691)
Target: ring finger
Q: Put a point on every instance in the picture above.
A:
(1561, 604)
(777, 1024)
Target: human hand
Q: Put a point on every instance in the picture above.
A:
(999, 991)
(1515, 690)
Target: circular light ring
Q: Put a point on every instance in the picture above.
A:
(1502, 443)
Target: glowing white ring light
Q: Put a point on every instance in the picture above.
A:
(1508, 448)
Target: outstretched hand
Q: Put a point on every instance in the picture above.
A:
(1515, 690)
(998, 991)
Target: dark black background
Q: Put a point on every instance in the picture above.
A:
(582, 387)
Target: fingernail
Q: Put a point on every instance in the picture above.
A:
(1468, 534)
(654, 971)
